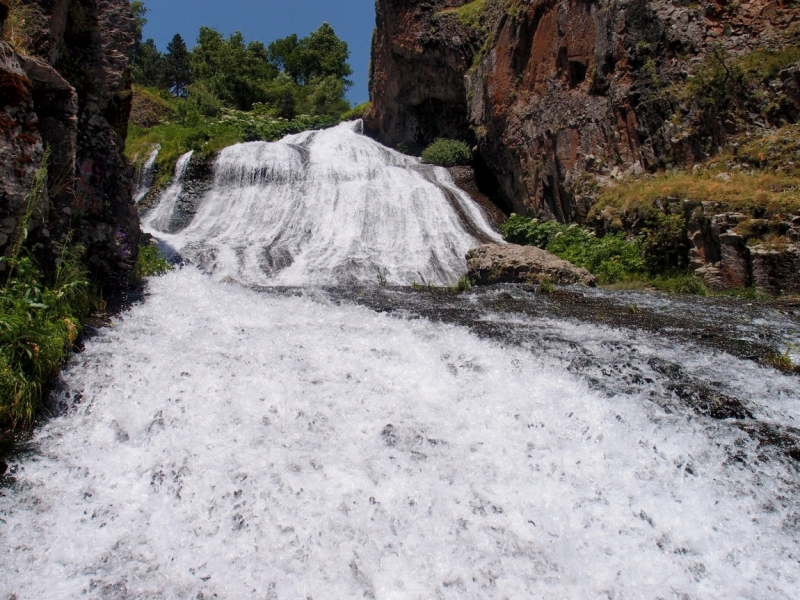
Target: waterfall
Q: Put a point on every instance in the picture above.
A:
(146, 176)
(230, 441)
(161, 216)
(328, 207)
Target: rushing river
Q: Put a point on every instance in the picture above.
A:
(233, 437)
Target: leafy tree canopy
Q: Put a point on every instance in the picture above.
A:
(290, 77)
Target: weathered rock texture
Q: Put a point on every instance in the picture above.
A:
(725, 255)
(509, 263)
(553, 91)
(69, 94)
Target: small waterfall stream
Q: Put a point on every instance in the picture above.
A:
(366, 441)
(160, 217)
(146, 177)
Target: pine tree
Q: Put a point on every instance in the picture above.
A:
(178, 66)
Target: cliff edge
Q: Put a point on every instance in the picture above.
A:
(65, 92)
(558, 94)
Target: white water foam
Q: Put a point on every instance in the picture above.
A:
(160, 217)
(328, 207)
(146, 177)
(242, 445)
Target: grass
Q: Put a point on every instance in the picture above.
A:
(618, 261)
(546, 285)
(40, 318)
(20, 27)
(470, 14)
(612, 258)
(151, 263)
(743, 191)
(680, 283)
(783, 362)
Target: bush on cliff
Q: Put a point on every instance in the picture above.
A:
(447, 153)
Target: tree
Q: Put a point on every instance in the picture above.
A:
(237, 73)
(320, 55)
(139, 11)
(178, 66)
(150, 68)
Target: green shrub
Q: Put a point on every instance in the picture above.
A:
(665, 244)
(611, 258)
(151, 262)
(447, 153)
(531, 232)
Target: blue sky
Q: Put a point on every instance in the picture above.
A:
(268, 20)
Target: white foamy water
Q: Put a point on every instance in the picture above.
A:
(146, 176)
(224, 442)
(327, 207)
(160, 217)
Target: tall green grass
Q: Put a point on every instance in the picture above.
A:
(40, 318)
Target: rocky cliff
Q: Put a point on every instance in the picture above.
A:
(558, 94)
(65, 94)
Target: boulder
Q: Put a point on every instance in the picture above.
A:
(509, 263)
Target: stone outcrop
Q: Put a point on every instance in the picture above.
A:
(509, 263)
(556, 93)
(67, 96)
(728, 251)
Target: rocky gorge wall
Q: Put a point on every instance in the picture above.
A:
(65, 92)
(558, 93)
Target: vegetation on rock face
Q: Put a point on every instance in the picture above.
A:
(470, 14)
(447, 153)
(759, 178)
(40, 318)
(19, 27)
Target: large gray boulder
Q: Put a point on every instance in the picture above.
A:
(509, 263)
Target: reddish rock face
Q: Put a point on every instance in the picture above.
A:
(72, 95)
(555, 90)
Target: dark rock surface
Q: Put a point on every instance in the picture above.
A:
(726, 259)
(71, 94)
(509, 263)
(557, 92)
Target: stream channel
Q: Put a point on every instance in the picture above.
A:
(270, 422)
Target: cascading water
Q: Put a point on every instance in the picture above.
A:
(146, 176)
(160, 217)
(327, 207)
(286, 443)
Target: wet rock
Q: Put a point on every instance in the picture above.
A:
(509, 263)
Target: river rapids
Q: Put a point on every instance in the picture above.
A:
(269, 422)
